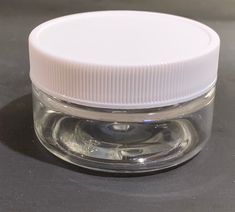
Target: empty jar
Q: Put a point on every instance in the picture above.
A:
(123, 91)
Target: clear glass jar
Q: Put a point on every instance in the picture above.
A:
(123, 140)
(123, 91)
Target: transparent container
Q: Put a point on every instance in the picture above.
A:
(123, 91)
(123, 140)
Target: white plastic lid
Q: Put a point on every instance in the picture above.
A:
(123, 59)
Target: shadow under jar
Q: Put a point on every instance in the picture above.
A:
(119, 110)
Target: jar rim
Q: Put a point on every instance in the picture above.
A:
(126, 115)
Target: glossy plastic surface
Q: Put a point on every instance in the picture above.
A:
(123, 140)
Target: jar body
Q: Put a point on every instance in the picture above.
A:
(124, 141)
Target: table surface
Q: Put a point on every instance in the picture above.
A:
(31, 179)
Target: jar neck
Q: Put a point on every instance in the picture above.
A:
(125, 115)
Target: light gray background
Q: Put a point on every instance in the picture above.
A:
(31, 179)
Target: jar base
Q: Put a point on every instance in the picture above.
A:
(165, 145)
